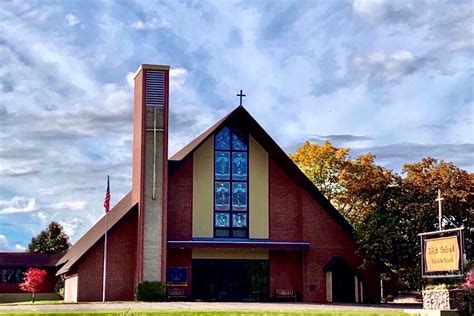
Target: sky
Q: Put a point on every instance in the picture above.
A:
(394, 78)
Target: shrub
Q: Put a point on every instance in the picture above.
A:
(151, 291)
(59, 287)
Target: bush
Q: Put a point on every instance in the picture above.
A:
(59, 287)
(151, 291)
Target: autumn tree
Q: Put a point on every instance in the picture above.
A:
(363, 184)
(423, 179)
(33, 281)
(352, 185)
(323, 165)
(389, 233)
(51, 240)
(387, 209)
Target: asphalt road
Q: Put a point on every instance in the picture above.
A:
(205, 306)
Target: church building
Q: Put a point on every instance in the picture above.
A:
(229, 217)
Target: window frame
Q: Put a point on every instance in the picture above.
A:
(231, 229)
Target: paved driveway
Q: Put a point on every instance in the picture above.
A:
(204, 306)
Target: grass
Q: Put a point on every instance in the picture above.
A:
(203, 313)
(55, 302)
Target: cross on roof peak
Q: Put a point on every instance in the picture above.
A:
(241, 95)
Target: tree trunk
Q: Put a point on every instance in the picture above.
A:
(33, 297)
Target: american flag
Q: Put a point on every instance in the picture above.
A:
(107, 197)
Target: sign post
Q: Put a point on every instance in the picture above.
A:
(442, 256)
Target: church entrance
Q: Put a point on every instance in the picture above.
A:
(230, 280)
(343, 285)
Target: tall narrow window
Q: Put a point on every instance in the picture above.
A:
(230, 184)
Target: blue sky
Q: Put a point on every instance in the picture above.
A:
(391, 77)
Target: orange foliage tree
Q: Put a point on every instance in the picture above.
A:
(352, 185)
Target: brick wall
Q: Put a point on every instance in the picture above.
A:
(285, 271)
(284, 206)
(296, 216)
(121, 258)
(178, 258)
(180, 201)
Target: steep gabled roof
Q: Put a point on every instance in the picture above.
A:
(243, 119)
(95, 233)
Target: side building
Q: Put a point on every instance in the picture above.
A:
(12, 267)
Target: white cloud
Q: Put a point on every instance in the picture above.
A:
(369, 7)
(18, 205)
(51, 190)
(3, 242)
(177, 77)
(20, 248)
(153, 24)
(70, 226)
(71, 19)
(130, 78)
(69, 205)
(42, 216)
(387, 68)
(5, 245)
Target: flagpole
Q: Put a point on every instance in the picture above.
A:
(104, 273)
(105, 260)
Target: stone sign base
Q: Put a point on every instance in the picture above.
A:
(426, 312)
(442, 299)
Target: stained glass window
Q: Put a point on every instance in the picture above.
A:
(230, 184)
(239, 220)
(238, 142)
(222, 220)
(222, 165)
(222, 195)
(239, 196)
(222, 139)
(239, 165)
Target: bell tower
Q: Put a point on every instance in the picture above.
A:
(150, 169)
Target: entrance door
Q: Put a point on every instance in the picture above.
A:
(343, 284)
(230, 280)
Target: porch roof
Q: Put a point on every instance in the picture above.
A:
(239, 243)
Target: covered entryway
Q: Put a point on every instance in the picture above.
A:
(230, 280)
(341, 282)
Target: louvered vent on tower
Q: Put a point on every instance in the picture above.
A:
(155, 88)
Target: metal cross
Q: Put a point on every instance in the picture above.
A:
(440, 209)
(241, 95)
(154, 130)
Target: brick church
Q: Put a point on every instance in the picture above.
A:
(229, 217)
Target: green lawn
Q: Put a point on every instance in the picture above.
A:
(55, 302)
(202, 313)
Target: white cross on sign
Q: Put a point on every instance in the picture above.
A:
(440, 210)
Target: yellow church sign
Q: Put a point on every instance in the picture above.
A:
(442, 254)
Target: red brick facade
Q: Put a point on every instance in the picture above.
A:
(180, 201)
(298, 214)
(294, 216)
(182, 258)
(121, 256)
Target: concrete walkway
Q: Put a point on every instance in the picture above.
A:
(205, 306)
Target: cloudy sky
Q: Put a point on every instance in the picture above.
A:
(393, 78)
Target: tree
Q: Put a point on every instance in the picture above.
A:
(33, 281)
(52, 240)
(323, 165)
(352, 185)
(387, 209)
(423, 179)
(363, 183)
(389, 234)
